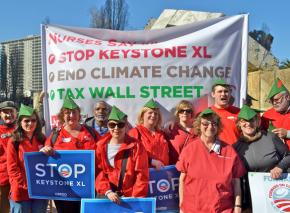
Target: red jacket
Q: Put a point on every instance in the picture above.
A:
(65, 141)
(15, 166)
(5, 133)
(156, 145)
(178, 138)
(278, 121)
(136, 178)
(229, 116)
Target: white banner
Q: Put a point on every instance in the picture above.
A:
(269, 195)
(127, 68)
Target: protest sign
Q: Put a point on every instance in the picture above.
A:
(128, 205)
(127, 68)
(163, 185)
(67, 175)
(269, 195)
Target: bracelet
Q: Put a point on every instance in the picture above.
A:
(237, 205)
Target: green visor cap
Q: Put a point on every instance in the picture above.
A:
(69, 103)
(151, 104)
(277, 87)
(207, 111)
(220, 81)
(116, 114)
(25, 110)
(247, 113)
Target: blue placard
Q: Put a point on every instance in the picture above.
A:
(128, 205)
(163, 186)
(67, 175)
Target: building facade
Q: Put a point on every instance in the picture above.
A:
(20, 65)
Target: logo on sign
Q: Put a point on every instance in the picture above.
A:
(65, 170)
(163, 185)
(279, 195)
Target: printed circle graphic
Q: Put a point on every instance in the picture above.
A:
(163, 185)
(64, 170)
(51, 77)
(51, 59)
(281, 198)
(52, 95)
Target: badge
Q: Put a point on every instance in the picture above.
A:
(66, 140)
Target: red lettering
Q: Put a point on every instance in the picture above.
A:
(103, 54)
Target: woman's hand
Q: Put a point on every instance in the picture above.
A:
(48, 150)
(114, 197)
(276, 172)
(157, 164)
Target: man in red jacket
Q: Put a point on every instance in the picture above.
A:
(221, 93)
(8, 115)
(277, 118)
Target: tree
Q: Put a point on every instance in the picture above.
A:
(285, 64)
(112, 15)
(263, 37)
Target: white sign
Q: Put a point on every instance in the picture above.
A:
(127, 68)
(269, 195)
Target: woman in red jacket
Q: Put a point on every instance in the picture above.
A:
(71, 136)
(8, 115)
(122, 168)
(182, 132)
(149, 133)
(26, 138)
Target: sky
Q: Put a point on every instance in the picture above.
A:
(19, 18)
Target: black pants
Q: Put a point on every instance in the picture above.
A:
(67, 206)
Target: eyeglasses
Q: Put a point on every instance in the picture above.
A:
(113, 125)
(187, 111)
(33, 120)
(277, 100)
(207, 123)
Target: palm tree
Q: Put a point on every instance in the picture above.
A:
(285, 64)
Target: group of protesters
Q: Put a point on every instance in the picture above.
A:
(213, 149)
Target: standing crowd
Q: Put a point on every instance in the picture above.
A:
(213, 150)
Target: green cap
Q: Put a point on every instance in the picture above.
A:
(151, 104)
(247, 113)
(116, 114)
(69, 103)
(220, 81)
(25, 110)
(207, 111)
(277, 87)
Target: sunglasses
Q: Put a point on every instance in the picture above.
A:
(206, 124)
(29, 120)
(187, 111)
(112, 125)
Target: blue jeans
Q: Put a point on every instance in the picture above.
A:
(28, 206)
